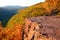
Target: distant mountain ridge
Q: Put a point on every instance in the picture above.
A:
(14, 7)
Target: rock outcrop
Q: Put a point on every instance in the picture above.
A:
(42, 28)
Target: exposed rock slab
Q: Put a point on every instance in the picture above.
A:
(42, 28)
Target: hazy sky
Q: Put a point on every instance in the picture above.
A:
(18, 2)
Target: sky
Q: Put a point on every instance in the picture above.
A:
(19, 2)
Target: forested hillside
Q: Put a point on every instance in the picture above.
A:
(46, 8)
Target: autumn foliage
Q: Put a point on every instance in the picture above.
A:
(11, 33)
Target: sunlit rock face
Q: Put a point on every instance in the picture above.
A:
(42, 28)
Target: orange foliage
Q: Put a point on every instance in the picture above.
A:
(11, 34)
